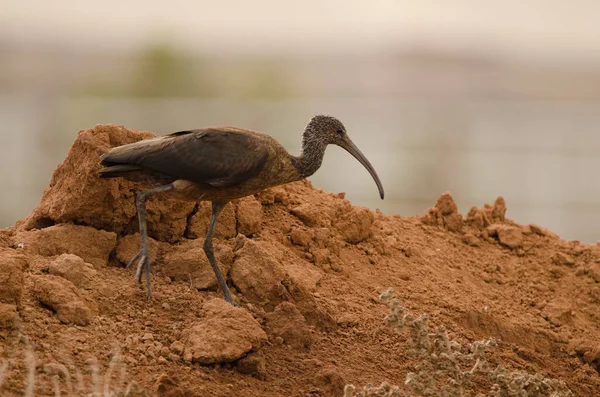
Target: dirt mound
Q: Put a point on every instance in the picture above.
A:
(308, 268)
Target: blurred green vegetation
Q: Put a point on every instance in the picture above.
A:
(162, 71)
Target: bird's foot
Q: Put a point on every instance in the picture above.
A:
(229, 298)
(233, 303)
(144, 262)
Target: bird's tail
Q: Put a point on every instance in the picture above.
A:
(118, 170)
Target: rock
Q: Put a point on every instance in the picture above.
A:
(562, 259)
(444, 214)
(594, 273)
(446, 205)
(188, 262)
(287, 322)
(225, 334)
(322, 237)
(166, 386)
(266, 197)
(94, 246)
(62, 297)
(74, 269)
(177, 348)
(355, 226)
(128, 246)
(249, 216)
(12, 264)
(321, 256)
(226, 224)
(509, 236)
(453, 222)
(9, 318)
(558, 312)
(477, 218)
(258, 275)
(252, 364)
(148, 337)
(301, 237)
(307, 213)
(595, 294)
(540, 231)
(281, 194)
(77, 195)
(499, 210)
(302, 275)
(471, 240)
(588, 350)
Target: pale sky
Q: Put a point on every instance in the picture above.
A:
(537, 28)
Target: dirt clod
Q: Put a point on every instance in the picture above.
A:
(177, 347)
(12, 264)
(444, 214)
(254, 365)
(77, 195)
(355, 226)
(167, 386)
(74, 269)
(307, 213)
(289, 324)
(188, 262)
(9, 318)
(562, 259)
(63, 298)
(94, 246)
(301, 237)
(259, 275)
(509, 236)
(225, 334)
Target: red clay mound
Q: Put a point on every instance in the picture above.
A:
(308, 268)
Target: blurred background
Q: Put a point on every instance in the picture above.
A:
(480, 98)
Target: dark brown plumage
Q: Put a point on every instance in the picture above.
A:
(219, 164)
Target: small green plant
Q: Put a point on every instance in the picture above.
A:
(445, 368)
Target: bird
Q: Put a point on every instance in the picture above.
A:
(219, 164)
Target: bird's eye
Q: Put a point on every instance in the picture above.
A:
(340, 132)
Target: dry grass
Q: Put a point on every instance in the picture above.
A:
(68, 379)
(446, 368)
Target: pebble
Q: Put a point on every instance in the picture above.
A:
(176, 347)
(164, 351)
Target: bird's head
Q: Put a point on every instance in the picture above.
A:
(328, 130)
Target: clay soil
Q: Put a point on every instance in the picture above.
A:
(307, 268)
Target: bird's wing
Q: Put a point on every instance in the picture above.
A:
(216, 156)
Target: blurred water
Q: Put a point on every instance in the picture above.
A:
(542, 156)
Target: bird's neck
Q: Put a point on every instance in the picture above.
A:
(313, 151)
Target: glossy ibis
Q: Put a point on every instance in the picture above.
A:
(219, 164)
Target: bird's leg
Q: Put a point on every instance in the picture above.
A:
(210, 254)
(143, 255)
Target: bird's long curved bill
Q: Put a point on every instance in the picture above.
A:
(355, 151)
